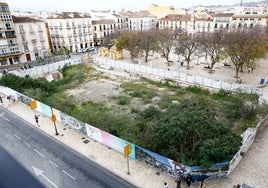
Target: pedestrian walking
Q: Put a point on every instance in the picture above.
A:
(36, 119)
(178, 183)
(188, 180)
(165, 185)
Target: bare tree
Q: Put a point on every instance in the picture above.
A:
(148, 42)
(166, 42)
(110, 39)
(186, 45)
(212, 46)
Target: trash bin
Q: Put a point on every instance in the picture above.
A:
(182, 63)
(262, 81)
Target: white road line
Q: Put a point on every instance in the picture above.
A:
(8, 130)
(39, 153)
(17, 136)
(2, 116)
(27, 144)
(54, 164)
(68, 174)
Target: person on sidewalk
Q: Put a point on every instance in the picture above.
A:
(178, 183)
(188, 180)
(36, 119)
(165, 185)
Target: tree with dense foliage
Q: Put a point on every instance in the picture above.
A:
(190, 133)
(129, 41)
(186, 46)
(245, 47)
(63, 51)
(212, 46)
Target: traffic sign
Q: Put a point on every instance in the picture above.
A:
(127, 150)
(53, 117)
(33, 104)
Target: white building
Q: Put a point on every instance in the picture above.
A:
(9, 49)
(139, 21)
(32, 37)
(72, 30)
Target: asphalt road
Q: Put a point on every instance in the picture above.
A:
(53, 164)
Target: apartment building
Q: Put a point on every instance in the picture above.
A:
(139, 21)
(103, 28)
(32, 37)
(72, 30)
(222, 20)
(9, 49)
(183, 23)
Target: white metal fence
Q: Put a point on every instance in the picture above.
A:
(38, 71)
(180, 77)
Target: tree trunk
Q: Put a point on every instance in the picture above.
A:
(146, 56)
(188, 64)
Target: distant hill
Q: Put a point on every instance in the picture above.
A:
(238, 4)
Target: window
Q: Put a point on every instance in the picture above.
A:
(21, 28)
(26, 49)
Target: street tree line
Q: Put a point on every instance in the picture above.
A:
(242, 48)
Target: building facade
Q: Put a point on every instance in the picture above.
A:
(32, 38)
(9, 49)
(72, 30)
(139, 21)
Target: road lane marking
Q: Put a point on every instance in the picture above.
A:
(39, 153)
(39, 172)
(27, 144)
(68, 174)
(8, 130)
(2, 116)
(54, 164)
(17, 136)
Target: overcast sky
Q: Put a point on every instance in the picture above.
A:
(117, 5)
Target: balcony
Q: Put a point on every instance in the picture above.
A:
(34, 40)
(9, 28)
(40, 30)
(24, 42)
(11, 36)
(13, 44)
(22, 32)
(56, 27)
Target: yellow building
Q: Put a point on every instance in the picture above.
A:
(113, 53)
(116, 54)
(162, 11)
(104, 52)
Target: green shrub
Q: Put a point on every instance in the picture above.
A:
(123, 100)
